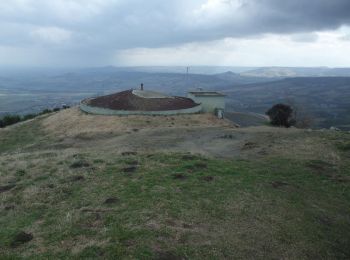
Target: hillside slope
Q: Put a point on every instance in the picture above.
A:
(77, 186)
(324, 100)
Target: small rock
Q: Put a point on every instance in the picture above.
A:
(208, 178)
(263, 152)
(130, 169)
(79, 164)
(9, 207)
(21, 238)
(77, 178)
(277, 184)
(129, 153)
(7, 187)
(179, 176)
(200, 165)
(133, 163)
(249, 145)
(167, 256)
(185, 225)
(111, 200)
(188, 157)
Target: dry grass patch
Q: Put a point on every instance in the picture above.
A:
(75, 123)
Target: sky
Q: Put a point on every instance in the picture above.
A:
(86, 33)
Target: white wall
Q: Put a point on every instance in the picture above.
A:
(209, 103)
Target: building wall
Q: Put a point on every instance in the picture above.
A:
(104, 111)
(209, 104)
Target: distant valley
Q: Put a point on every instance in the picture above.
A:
(323, 94)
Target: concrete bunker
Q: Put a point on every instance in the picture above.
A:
(211, 101)
(140, 102)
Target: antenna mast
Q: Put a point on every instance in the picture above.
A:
(187, 71)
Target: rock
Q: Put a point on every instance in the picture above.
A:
(112, 200)
(128, 153)
(208, 178)
(7, 187)
(79, 164)
(134, 163)
(130, 169)
(277, 184)
(179, 176)
(21, 238)
(188, 157)
(9, 207)
(77, 178)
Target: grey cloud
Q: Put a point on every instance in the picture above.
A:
(104, 26)
(305, 37)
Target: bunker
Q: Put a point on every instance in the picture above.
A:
(211, 101)
(140, 102)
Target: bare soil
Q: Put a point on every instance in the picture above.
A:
(201, 134)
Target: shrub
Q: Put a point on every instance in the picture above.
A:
(28, 117)
(56, 109)
(46, 111)
(281, 115)
(11, 119)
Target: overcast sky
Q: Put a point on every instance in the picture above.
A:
(175, 32)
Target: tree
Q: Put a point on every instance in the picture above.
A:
(11, 119)
(281, 115)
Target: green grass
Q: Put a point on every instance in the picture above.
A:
(84, 204)
(344, 146)
(248, 209)
(24, 136)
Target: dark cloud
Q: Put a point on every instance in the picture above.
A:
(100, 27)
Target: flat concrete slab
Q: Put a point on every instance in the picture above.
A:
(149, 94)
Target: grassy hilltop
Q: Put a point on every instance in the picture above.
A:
(80, 186)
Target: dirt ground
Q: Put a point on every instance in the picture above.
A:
(202, 134)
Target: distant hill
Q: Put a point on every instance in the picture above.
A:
(325, 99)
(282, 72)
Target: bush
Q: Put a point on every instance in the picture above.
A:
(281, 115)
(46, 111)
(28, 117)
(11, 119)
